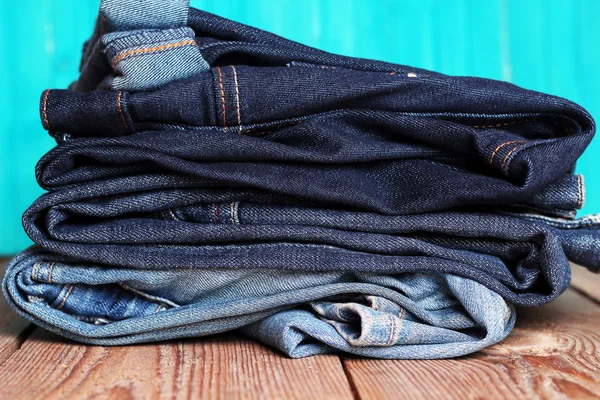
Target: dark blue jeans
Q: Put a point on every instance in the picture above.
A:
(355, 150)
(262, 154)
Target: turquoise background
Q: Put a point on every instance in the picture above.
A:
(546, 45)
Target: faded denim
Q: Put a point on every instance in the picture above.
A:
(411, 315)
(233, 179)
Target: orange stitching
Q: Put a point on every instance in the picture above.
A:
(50, 273)
(509, 153)
(223, 106)
(45, 115)
(62, 303)
(500, 146)
(121, 110)
(237, 99)
(152, 49)
(36, 271)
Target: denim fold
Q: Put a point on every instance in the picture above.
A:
(412, 315)
(209, 176)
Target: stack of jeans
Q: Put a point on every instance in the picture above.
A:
(212, 177)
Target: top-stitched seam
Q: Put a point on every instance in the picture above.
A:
(217, 212)
(237, 99)
(64, 300)
(500, 146)
(223, 103)
(50, 272)
(568, 133)
(236, 214)
(154, 49)
(119, 105)
(392, 331)
(232, 211)
(505, 123)
(44, 109)
(517, 147)
(582, 191)
(36, 271)
(579, 193)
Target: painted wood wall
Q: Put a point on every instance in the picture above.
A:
(546, 45)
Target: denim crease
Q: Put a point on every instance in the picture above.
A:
(210, 176)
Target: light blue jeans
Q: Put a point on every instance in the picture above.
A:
(409, 315)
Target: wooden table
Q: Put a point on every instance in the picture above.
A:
(554, 352)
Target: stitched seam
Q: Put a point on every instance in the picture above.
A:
(152, 50)
(217, 212)
(509, 153)
(522, 121)
(119, 97)
(36, 271)
(62, 303)
(499, 147)
(505, 123)
(579, 193)
(237, 99)
(50, 273)
(223, 105)
(232, 211)
(392, 331)
(582, 191)
(44, 110)
(236, 212)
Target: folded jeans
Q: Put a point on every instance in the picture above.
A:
(409, 315)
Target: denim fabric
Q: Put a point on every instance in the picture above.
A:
(314, 201)
(348, 164)
(411, 315)
(523, 259)
(129, 15)
(140, 45)
(147, 59)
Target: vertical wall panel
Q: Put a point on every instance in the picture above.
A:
(546, 45)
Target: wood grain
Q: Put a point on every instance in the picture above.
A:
(586, 282)
(48, 367)
(13, 329)
(554, 352)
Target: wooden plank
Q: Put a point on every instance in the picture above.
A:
(49, 367)
(554, 352)
(13, 329)
(586, 282)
